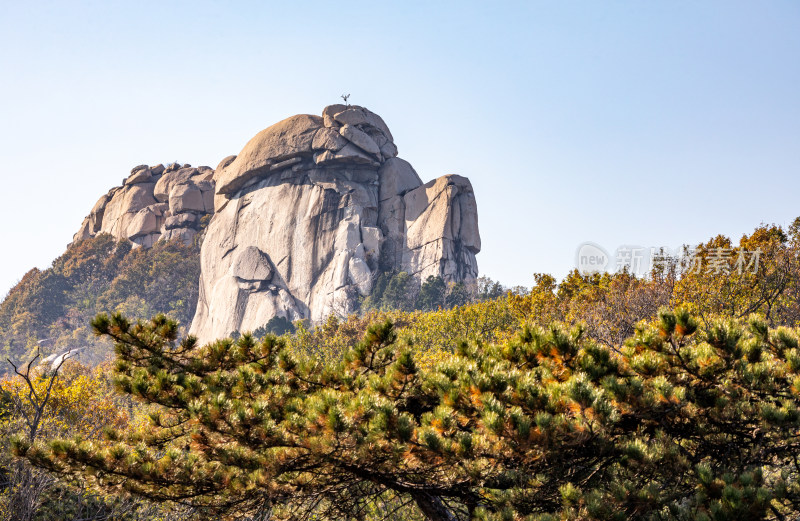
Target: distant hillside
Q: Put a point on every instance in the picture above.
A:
(52, 308)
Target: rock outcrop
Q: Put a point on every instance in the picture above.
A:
(305, 218)
(153, 203)
(312, 210)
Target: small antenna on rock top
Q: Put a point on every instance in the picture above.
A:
(344, 97)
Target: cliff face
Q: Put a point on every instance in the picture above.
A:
(304, 219)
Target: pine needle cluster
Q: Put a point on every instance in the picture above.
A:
(680, 422)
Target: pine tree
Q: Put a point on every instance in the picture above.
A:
(432, 294)
(677, 423)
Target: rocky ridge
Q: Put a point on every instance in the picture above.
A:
(304, 219)
(153, 203)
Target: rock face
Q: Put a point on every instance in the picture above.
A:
(305, 218)
(153, 203)
(312, 210)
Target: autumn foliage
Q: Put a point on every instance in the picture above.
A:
(680, 420)
(600, 396)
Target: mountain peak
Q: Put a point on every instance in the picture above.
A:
(302, 221)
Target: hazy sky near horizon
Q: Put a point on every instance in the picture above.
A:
(622, 123)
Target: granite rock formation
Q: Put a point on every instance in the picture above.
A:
(153, 203)
(304, 219)
(312, 209)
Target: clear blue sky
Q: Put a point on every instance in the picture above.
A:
(649, 123)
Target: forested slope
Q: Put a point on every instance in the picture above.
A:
(52, 308)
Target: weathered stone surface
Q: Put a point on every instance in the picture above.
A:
(139, 210)
(140, 175)
(160, 209)
(225, 162)
(281, 141)
(286, 163)
(204, 174)
(305, 218)
(146, 241)
(329, 112)
(208, 201)
(220, 201)
(360, 275)
(389, 150)
(93, 222)
(391, 219)
(371, 238)
(397, 177)
(310, 236)
(124, 204)
(324, 157)
(441, 232)
(251, 264)
(186, 198)
(359, 116)
(185, 235)
(101, 203)
(328, 139)
(145, 222)
(183, 220)
(170, 180)
(468, 226)
(361, 140)
(349, 154)
(84, 232)
(203, 185)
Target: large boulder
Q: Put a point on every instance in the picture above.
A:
(284, 140)
(328, 139)
(397, 178)
(123, 206)
(186, 198)
(329, 112)
(144, 222)
(441, 230)
(251, 265)
(361, 139)
(184, 220)
(140, 175)
(360, 117)
(172, 179)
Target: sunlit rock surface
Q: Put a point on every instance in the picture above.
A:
(304, 219)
